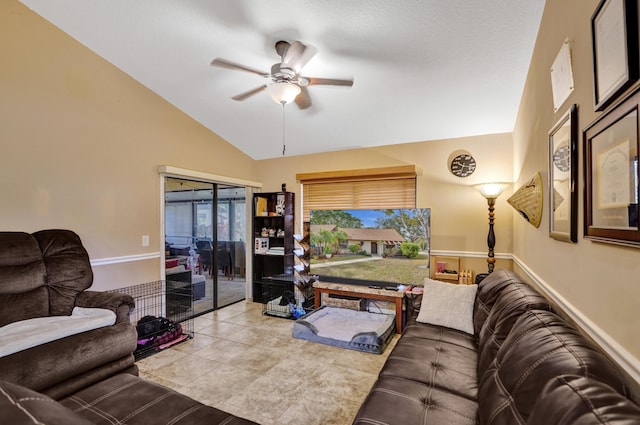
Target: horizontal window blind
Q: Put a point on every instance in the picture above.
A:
(393, 187)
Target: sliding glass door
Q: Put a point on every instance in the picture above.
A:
(205, 233)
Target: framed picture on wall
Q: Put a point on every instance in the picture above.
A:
(563, 174)
(614, 38)
(611, 175)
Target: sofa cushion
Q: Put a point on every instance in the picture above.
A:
(127, 399)
(23, 294)
(68, 268)
(176, 269)
(24, 306)
(22, 406)
(168, 264)
(21, 264)
(540, 346)
(511, 303)
(576, 400)
(439, 333)
(438, 357)
(449, 305)
(400, 401)
(489, 290)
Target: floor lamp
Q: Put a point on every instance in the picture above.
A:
(491, 191)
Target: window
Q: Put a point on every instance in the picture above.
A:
(358, 220)
(375, 188)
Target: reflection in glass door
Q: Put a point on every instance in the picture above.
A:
(231, 245)
(191, 209)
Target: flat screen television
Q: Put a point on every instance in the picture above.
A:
(385, 247)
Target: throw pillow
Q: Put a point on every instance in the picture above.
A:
(171, 263)
(448, 304)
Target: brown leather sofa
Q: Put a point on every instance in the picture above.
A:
(47, 273)
(122, 399)
(525, 364)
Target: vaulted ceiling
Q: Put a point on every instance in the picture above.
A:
(422, 69)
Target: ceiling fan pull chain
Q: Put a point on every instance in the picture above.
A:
(284, 146)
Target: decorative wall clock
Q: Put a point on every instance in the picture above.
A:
(462, 165)
(562, 158)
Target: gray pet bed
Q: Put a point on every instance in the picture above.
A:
(341, 327)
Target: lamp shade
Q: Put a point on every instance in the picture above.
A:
(491, 190)
(283, 92)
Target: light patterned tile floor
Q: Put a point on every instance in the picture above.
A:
(248, 364)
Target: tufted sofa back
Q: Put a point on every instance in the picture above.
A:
(576, 400)
(41, 274)
(489, 289)
(523, 344)
(23, 291)
(509, 306)
(540, 347)
(68, 268)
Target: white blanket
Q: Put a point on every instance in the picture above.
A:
(29, 333)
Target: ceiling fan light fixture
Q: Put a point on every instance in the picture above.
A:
(283, 92)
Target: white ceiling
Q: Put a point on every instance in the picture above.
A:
(422, 69)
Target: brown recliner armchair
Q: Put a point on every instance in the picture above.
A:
(46, 274)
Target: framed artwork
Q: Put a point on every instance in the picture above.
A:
(611, 175)
(563, 175)
(614, 37)
(562, 76)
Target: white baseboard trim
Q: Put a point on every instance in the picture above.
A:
(124, 259)
(619, 354)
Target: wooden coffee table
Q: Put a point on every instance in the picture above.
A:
(364, 292)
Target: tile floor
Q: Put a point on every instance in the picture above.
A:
(248, 364)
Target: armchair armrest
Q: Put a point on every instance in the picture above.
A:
(120, 304)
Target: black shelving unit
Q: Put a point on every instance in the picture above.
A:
(273, 228)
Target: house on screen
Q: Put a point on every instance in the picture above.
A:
(373, 241)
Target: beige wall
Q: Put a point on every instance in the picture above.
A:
(81, 142)
(459, 214)
(600, 281)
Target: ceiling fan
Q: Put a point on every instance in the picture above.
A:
(287, 83)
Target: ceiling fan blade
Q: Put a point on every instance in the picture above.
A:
(224, 63)
(329, 82)
(243, 96)
(298, 54)
(303, 100)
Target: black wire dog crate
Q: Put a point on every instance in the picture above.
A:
(282, 298)
(163, 314)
